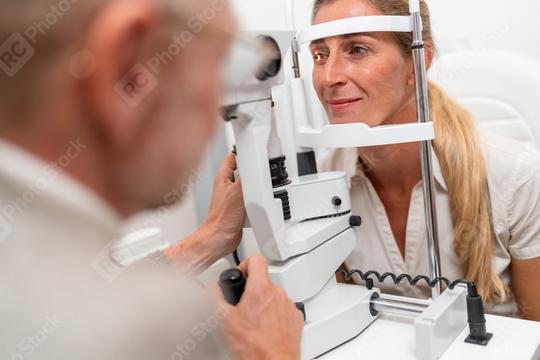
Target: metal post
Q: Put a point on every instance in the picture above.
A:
(296, 63)
(396, 307)
(422, 100)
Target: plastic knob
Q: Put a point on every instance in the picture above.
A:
(355, 221)
(232, 283)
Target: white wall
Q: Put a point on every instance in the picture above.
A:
(458, 24)
(502, 24)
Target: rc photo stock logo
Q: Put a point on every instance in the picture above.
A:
(15, 52)
(136, 85)
(6, 229)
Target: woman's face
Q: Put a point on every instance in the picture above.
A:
(360, 77)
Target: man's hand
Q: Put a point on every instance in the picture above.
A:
(265, 324)
(227, 213)
(220, 233)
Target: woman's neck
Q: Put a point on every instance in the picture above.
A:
(394, 168)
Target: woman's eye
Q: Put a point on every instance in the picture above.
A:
(319, 57)
(357, 50)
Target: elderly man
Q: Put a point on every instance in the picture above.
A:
(105, 109)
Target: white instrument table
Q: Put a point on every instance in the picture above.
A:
(393, 338)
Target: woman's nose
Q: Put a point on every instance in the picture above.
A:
(334, 71)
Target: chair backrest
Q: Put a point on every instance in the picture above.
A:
(500, 88)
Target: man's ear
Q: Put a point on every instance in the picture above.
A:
(120, 87)
(428, 56)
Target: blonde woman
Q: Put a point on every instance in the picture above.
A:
(487, 187)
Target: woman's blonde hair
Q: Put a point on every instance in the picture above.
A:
(463, 165)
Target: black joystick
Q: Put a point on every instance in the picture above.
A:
(232, 283)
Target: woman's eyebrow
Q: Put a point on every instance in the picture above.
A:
(320, 42)
(355, 35)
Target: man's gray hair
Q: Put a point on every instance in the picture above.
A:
(34, 32)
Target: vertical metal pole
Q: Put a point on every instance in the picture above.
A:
(422, 100)
(296, 63)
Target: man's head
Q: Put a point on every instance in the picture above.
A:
(137, 81)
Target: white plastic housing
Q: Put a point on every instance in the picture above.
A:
(247, 88)
(304, 276)
(361, 135)
(278, 240)
(337, 314)
(353, 25)
(438, 326)
(313, 196)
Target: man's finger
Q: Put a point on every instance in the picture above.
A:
(256, 269)
(229, 163)
(237, 187)
(227, 168)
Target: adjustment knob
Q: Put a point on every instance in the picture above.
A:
(232, 283)
(355, 221)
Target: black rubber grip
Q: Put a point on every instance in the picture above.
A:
(232, 283)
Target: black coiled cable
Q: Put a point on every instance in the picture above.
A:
(397, 279)
(475, 308)
(236, 258)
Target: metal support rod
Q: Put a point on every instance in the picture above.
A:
(422, 100)
(399, 308)
(296, 63)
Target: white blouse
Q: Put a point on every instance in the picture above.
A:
(513, 171)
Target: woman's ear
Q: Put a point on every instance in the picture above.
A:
(120, 86)
(429, 54)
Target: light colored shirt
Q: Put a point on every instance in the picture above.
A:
(61, 296)
(513, 173)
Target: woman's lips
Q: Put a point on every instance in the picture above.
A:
(342, 104)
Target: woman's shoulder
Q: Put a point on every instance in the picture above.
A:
(506, 156)
(514, 188)
(513, 168)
